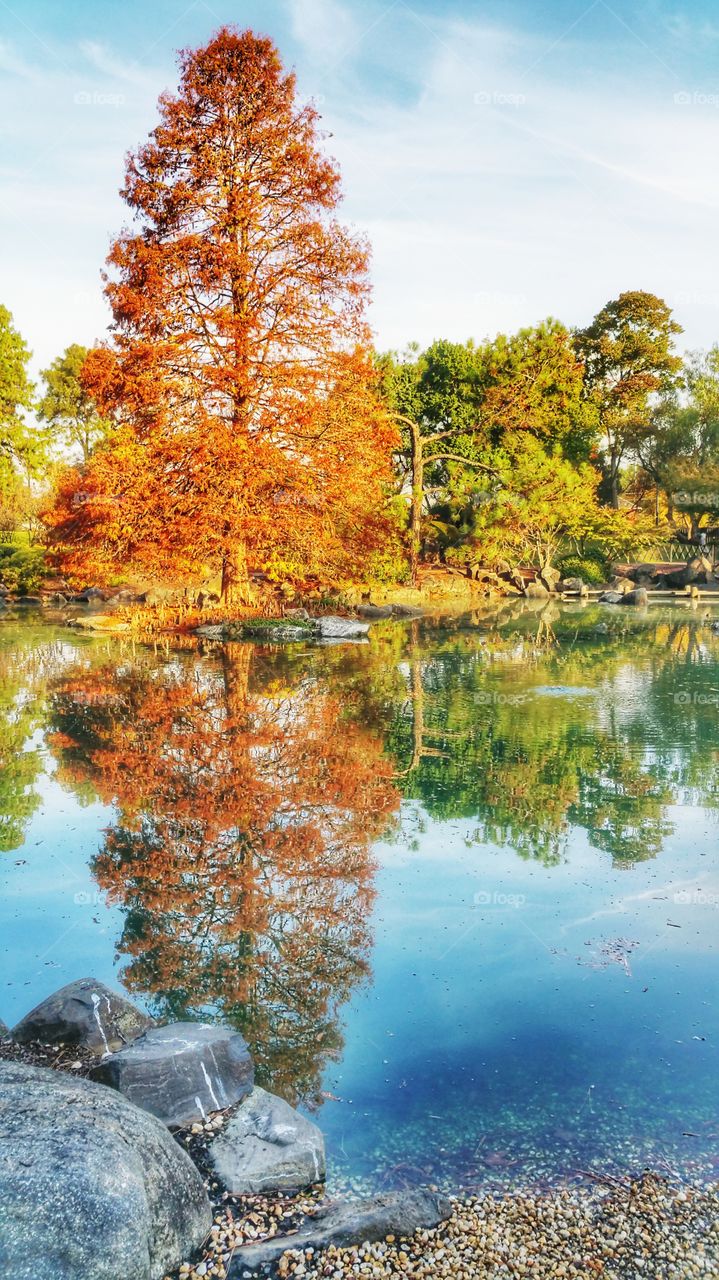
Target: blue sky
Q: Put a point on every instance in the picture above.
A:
(507, 160)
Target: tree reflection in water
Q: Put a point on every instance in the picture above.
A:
(241, 851)
(250, 784)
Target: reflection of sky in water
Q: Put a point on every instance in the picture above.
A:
(497, 1020)
(521, 1020)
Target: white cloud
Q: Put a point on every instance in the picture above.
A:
(322, 27)
(500, 176)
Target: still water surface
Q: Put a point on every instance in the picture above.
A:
(458, 886)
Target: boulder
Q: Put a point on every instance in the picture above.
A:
(396, 1213)
(211, 631)
(335, 628)
(695, 571)
(550, 577)
(85, 1013)
(407, 611)
(536, 591)
(572, 584)
(99, 622)
(641, 574)
(613, 597)
(622, 585)
(89, 1185)
(268, 1146)
(181, 1072)
(639, 597)
(376, 610)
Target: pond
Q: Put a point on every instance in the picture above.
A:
(457, 886)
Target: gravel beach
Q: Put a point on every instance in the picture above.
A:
(644, 1228)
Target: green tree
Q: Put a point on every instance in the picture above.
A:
(68, 407)
(540, 500)
(534, 381)
(628, 357)
(434, 398)
(20, 446)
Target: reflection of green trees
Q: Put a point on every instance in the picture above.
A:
(28, 656)
(246, 806)
(477, 738)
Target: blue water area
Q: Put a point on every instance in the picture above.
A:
(458, 886)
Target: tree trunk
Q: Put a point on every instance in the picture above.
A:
(415, 524)
(614, 489)
(235, 587)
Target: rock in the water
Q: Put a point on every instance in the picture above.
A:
(334, 628)
(697, 570)
(85, 1013)
(90, 1187)
(536, 591)
(613, 597)
(640, 597)
(397, 1213)
(99, 622)
(375, 610)
(181, 1072)
(268, 1146)
(211, 631)
(572, 584)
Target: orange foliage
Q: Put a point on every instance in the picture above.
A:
(241, 850)
(239, 373)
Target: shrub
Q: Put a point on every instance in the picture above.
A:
(593, 569)
(22, 569)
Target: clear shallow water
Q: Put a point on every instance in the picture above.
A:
(458, 887)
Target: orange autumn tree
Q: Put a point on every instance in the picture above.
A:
(248, 430)
(241, 849)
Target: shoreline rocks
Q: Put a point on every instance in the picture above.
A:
(90, 1186)
(181, 1072)
(84, 1013)
(268, 1146)
(338, 1224)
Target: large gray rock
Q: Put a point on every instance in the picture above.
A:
(90, 1187)
(268, 1146)
(697, 570)
(396, 1213)
(613, 597)
(334, 628)
(639, 597)
(536, 591)
(181, 1072)
(84, 1013)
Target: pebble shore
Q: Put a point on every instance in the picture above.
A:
(645, 1227)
